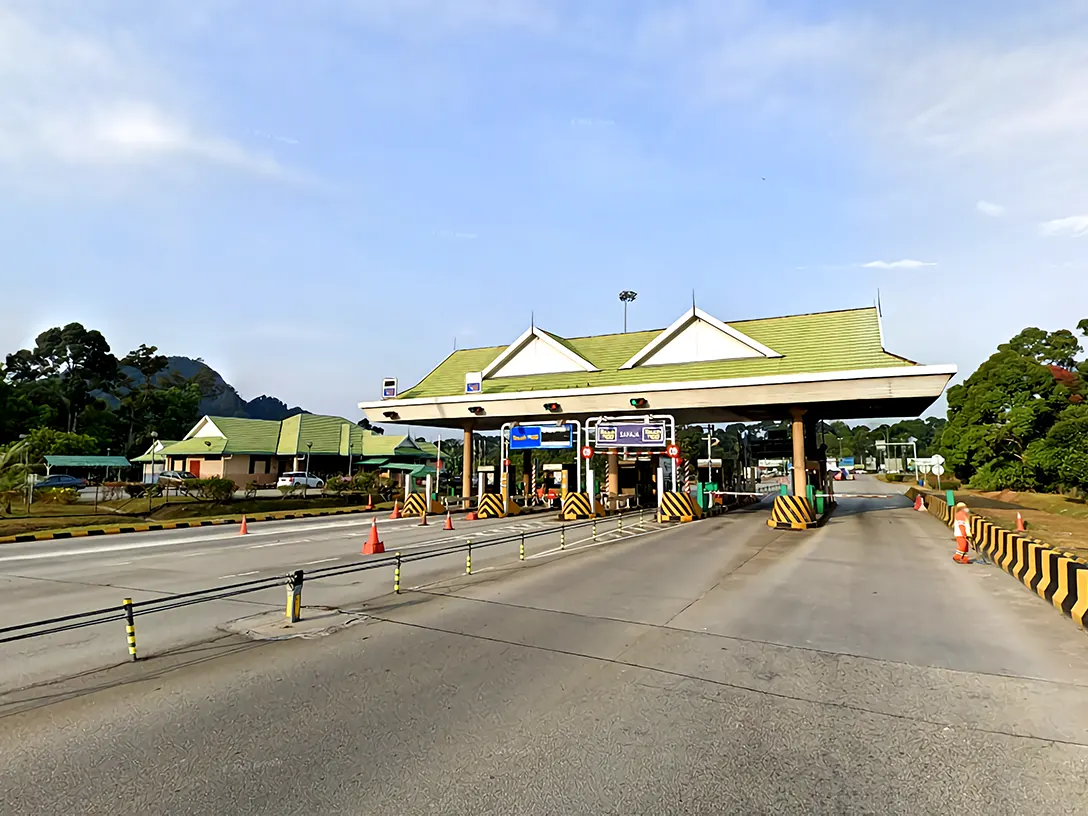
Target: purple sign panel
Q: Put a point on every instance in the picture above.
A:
(632, 435)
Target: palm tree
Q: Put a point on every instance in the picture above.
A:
(12, 475)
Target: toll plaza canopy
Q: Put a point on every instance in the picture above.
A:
(833, 365)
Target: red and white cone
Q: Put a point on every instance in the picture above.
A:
(373, 546)
(449, 522)
(1020, 526)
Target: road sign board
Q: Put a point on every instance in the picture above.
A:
(937, 459)
(632, 435)
(474, 381)
(673, 451)
(714, 463)
(587, 452)
(389, 387)
(938, 470)
(533, 437)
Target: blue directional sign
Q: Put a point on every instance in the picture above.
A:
(532, 437)
(847, 461)
(632, 435)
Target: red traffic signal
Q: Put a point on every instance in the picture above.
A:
(551, 406)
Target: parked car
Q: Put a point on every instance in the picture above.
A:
(61, 481)
(299, 480)
(174, 478)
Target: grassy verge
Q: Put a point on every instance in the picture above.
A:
(75, 517)
(1059, 521)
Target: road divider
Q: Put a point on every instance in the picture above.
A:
(1054, 575)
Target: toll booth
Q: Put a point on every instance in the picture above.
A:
(559, 479)
(638, 480)
(487, 474)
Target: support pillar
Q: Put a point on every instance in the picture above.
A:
(800, 481)
(526, 474)
(613, 478)
(466, 473)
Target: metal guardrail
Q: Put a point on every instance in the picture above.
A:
(128, 610)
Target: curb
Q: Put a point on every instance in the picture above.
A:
(1055, 576)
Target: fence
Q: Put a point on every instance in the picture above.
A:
(129, 610)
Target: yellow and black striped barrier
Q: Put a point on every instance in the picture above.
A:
(278, 515)
(1055, 576)
(677, 507)
(130, 627)
(491, 506)
(575, 507)
(416, 503)
(792, 513)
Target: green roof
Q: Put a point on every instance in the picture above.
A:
(145, 458)
(197, 446)
(810, 343)
(86, 461)
(247, 435)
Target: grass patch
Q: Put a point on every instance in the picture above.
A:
(1059, 521)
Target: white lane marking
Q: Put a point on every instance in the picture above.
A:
(119, 564)
(320, 561)
(208, 539)
(193, 554)
(270, 544)
(237, 575)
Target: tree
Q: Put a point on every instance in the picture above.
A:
(42, 442)
(72, 360)
(12, 475)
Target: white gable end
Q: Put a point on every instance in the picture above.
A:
(536, 357)
(206, 428)
(698, 338)
(700, 342)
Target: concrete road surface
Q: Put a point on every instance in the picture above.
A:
(719, 667)
(47, 579)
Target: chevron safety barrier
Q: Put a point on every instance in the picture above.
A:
(678, 507)
(417, 502)
(1055, 576)
(792, 513)
(576, 506)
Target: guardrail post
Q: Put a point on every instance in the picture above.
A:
(396, 576)
(468, 559)
(563, 537)
(294, 596)
(641, 515)
(619, 523)
(594, 529)
(130, 628)
(521, 549)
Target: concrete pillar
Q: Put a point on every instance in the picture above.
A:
(527, 472)
(800, 482)
(466, 473)
(613, 477)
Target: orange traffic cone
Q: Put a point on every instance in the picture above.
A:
(449, 522)
(373, 546)
(1020, 526)
(244, 530)
(918, 503)
(396, 510)
(369, 502)
(471, 515)
(423, 520)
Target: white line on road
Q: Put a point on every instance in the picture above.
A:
(193, 554)
(237, 575)
(320, 561)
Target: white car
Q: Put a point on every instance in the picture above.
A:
(298, 480)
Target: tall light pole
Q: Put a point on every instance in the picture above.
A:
(306, 484)
(28, 488)
(626, 296)
(154, 442)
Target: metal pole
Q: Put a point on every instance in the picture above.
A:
(130, 628)
(396, 576)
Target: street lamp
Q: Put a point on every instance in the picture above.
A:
(306, 484)
(28, 494)
(154, 442)
(351, 443)
(626, 296)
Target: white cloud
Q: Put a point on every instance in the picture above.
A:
(73, 99)
(906, 263)
(1074, 226)
(990, 209)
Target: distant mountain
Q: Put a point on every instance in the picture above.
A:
(221, 398)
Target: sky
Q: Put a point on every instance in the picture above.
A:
(314, 196)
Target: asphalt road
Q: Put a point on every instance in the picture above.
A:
(720, 667)
(47, 579)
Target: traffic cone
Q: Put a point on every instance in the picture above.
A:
(373, 546)
(1020, 526)
(396, 510)
(369, 502)
(449, 522)
(423, 520)
(244, 530)
(918, 503)
(471, 515)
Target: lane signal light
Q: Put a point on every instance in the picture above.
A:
(640, 402)
(552, 407)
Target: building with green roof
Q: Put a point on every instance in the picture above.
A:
(259, 450)
(826, 365)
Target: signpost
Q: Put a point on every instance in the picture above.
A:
(673, 451)
(632, 435)
(541, 437)
(587, 452)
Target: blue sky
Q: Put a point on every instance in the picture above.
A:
(316, 195)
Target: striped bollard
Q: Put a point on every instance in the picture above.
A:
(130, 627)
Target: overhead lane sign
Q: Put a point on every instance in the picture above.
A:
(632, 435)
(548, 437)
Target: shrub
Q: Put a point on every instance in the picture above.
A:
(215, 488)
(135, 490)
(288, 489)
(58, 495)
(948, 482)
(893, 477)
